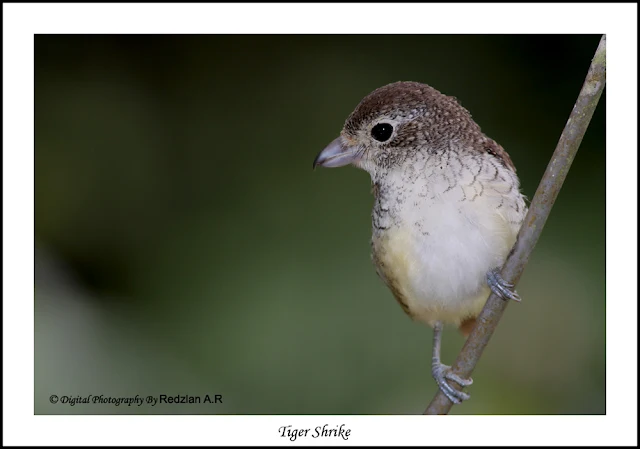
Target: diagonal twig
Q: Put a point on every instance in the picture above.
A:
(534, 221)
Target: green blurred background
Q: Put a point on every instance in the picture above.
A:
(185, 246)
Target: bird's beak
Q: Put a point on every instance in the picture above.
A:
(336, 154)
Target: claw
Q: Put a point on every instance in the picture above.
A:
(457, 379)
(501, 287)
(441, 373)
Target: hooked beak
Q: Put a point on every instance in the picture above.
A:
(336, 154)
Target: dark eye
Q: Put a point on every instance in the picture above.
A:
(381, 132)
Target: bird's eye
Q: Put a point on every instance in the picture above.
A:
(381, 132)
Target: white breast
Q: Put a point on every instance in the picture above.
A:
(445, 232)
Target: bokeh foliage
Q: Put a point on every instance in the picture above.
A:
(185, 246)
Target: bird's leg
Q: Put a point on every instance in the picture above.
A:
(442, 372)
(501, 287)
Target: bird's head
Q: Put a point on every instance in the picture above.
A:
(394, 122)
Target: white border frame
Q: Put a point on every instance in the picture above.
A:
(22, 21)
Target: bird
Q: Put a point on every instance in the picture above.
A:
(446, 212)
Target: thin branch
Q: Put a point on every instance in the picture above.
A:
(533, 223)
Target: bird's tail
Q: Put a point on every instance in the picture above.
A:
(467, 326)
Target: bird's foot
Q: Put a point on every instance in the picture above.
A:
(442, 373)
(501, 287)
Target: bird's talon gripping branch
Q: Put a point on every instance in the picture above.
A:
(457, 379)
(501, 287)
(441, 373)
